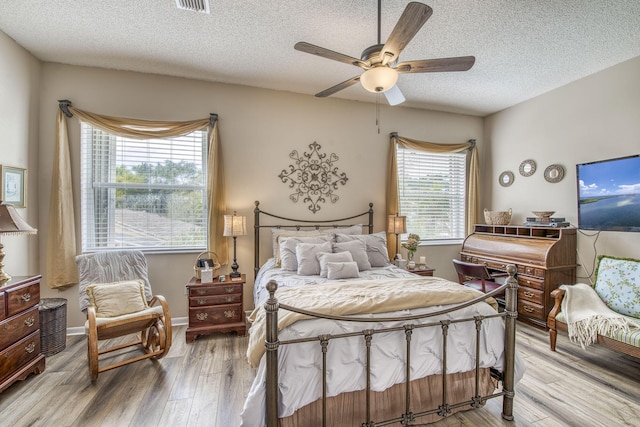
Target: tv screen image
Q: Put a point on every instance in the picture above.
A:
(609, 194)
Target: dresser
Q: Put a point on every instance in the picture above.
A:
(215, 307)
(545, 258)
(19, 330)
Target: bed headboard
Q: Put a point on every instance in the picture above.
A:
(298, 224)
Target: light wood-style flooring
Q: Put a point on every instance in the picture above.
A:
(205, 383)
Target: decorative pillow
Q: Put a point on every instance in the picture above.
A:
(306, 255)
(326, 257)
(279, 234)
(288, 245)
(357, 249)
(342, 270)
(618, 284)
(117, 298)
(376, 246)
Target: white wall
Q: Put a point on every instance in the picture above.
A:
(595, 118)
(20, 89)
(258, 128)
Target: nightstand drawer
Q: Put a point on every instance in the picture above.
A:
(19, 354)
(229, 288)
(21, 298)
(214, 300)
(18, 326)
(215, 315)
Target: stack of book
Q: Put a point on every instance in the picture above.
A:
(546, 221)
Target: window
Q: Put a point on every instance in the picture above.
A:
(145, 194)
(432, 191)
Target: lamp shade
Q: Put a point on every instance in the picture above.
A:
(379, 79)
(235, 225)
(397, 224)
(12, 223)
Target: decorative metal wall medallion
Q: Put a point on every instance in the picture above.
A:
(527, 167)
(506, 178)
(554, 173)
(313, 177)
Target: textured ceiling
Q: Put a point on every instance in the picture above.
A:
(523, 48)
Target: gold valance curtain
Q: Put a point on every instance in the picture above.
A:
(61, 240)
(393, 198)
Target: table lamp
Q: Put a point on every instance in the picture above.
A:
(10, 223)
(234, 226)
(397, 225)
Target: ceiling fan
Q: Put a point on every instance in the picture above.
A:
(379, 61)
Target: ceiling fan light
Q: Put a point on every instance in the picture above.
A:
(379, 79)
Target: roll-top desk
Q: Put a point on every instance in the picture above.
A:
(545, 258)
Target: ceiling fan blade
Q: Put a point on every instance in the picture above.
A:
(410, 22)
(329, 54)
(461, 63)
(345, 84)
(394, 96)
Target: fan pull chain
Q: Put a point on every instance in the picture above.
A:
(378, 112)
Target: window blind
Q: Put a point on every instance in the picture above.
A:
(432, 190)
(147, 194)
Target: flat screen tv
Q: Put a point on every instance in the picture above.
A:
(609, 194)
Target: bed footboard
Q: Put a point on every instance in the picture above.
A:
(412, 413)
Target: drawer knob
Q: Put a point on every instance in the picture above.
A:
(528, 294)
(202, 316)
(528, 309)
(229, 313)
(229, 289)
(202, 301)
(30, 321)
(30, 348)
(26, 297)
(229, 299)
(202, 291)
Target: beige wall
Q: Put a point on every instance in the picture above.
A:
(20, 89)
(258, 128)
(595, 118)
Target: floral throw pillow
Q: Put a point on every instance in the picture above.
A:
(618, 284)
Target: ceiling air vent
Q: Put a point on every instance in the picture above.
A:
(194, 5)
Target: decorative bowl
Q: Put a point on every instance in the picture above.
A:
(543, 214)
(497, 217)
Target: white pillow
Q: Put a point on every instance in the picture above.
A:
(306, 255)
(376, 246)
(326, 257)
(342, 270)
(288, 260)
(357, 249)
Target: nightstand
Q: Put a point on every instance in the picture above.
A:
(427, 271)
(215, 307)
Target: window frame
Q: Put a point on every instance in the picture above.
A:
(90, 143)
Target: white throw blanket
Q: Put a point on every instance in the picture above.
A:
(587, 316)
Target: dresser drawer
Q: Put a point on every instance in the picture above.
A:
(531, 295)
(530, 282)
(22, 297)
(529, 309)
(214, 300)
(2, 313)
(196, 291)
(18, 326)
(19, 354)
(215, 315)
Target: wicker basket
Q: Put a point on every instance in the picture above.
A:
(204, 256)
(497, 217)
(53, 325)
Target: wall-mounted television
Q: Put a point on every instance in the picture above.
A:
(609, 194)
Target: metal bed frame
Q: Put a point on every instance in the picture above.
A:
(272, 343)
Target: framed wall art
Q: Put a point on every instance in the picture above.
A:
(13, 186)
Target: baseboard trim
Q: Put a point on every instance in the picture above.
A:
(79, 330)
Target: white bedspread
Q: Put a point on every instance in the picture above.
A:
(300, 366)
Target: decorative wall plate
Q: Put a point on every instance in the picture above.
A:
(506, 178)
(554, 173)
(527, 167)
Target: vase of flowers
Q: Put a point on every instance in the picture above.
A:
(411, 245)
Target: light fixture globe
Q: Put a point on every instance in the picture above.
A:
(379, 79)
